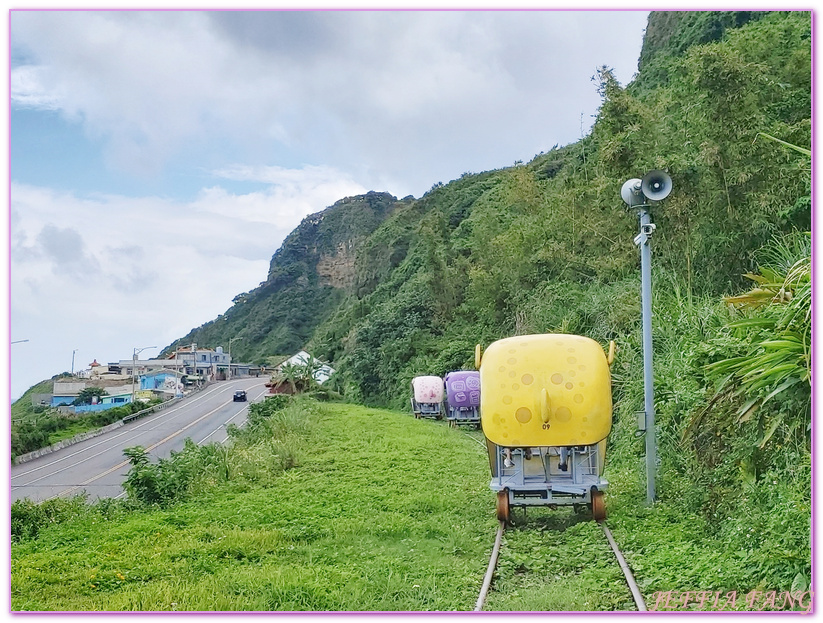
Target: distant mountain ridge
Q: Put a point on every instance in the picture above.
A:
(311, 272)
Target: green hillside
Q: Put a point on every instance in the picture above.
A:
(310, 274)
(546, 246)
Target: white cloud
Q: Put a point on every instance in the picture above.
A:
(28, 91)
(290, 195)
(281, 176)
(411, 96)
(103, 273)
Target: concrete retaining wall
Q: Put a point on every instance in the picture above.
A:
(99, 431)
(66, 442)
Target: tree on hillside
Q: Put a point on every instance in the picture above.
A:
(300, 377)
(86, 396)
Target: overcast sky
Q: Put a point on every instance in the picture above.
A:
(159, 158)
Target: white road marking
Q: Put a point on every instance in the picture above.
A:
(110, 438)
(124, 463)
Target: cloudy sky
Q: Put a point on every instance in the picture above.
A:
(159, 158)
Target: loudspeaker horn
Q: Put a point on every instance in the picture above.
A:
(630, 192)
(656, 185)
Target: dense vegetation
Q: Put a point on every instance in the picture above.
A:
(546, 246)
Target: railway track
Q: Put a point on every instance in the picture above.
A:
(637, 596)
(624, 567)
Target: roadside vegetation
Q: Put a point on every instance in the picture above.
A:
(43, 426)
(312, 507)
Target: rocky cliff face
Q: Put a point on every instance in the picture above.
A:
(337, 269)
(309, 275)
(673, 32)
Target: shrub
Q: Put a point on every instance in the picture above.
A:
(268, 444)
(29, 518)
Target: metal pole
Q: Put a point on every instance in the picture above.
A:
(133, 368)
(136, 352)
(643, 240)
(194, 361)
(230, 341)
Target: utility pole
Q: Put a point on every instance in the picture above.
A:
(231, 339)
(176, 370)
(136, 352)
(655, 186)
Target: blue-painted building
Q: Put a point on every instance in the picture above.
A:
(161, 381)
(65, 393)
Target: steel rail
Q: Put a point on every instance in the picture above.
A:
(624, 567)
(487, 581)
(477, 441)
(627, 573)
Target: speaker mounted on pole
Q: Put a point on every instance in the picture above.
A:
(656, 185)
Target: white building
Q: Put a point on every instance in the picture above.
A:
(302, 358)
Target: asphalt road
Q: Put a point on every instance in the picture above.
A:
(98, 466)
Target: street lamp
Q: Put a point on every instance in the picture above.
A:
(136, 352)
(655, 186)
(178, 386)
(194, 358)
(231, 339)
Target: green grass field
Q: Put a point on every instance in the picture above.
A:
(382, 513)
(376, 512)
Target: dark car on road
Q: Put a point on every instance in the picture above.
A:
(240, 396)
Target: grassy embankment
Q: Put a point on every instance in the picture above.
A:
(342, 507)
(381, 513)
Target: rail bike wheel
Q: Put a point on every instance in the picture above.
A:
(503, 505)
(598, 506)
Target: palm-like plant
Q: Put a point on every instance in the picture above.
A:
(300, 377)
(778, 357)
(287, 373)
(309, 370)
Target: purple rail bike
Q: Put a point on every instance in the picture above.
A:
(463, 397)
